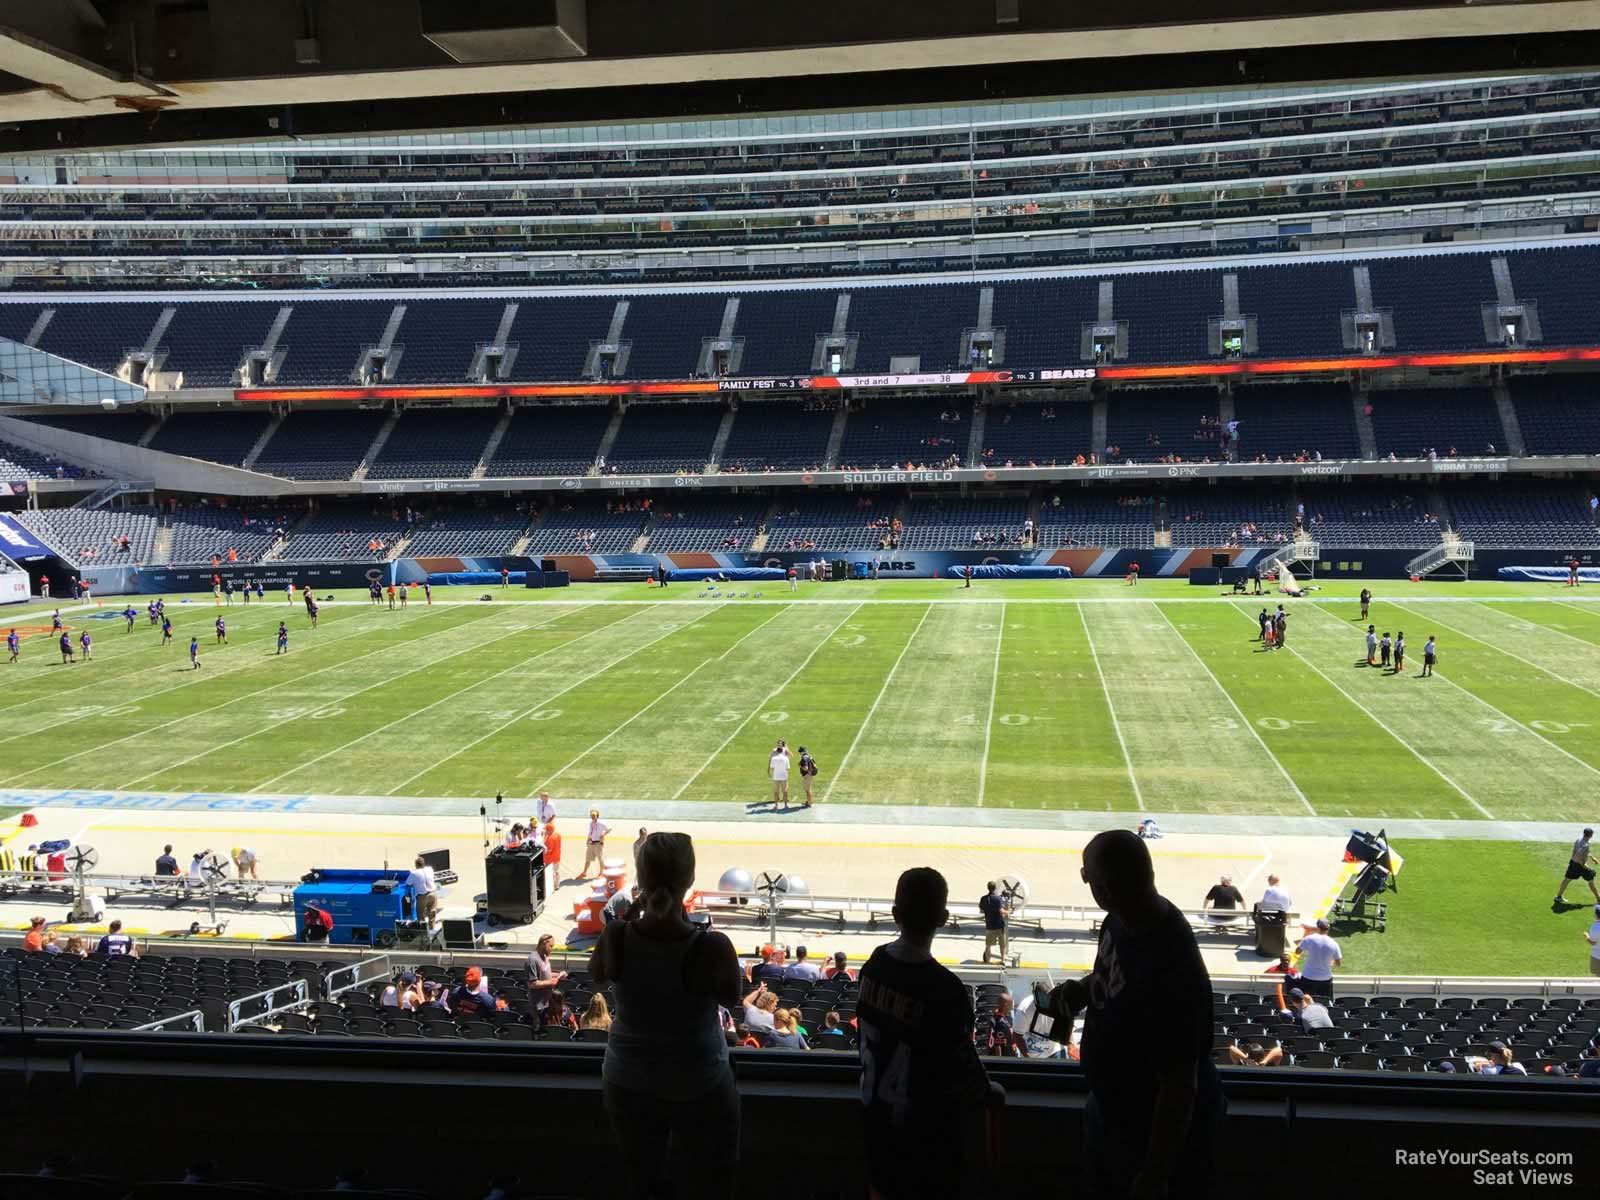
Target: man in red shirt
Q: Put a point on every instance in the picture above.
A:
(318, 924)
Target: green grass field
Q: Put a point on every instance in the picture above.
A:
(1086, 695)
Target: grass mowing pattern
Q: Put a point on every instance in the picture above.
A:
(1012, 696)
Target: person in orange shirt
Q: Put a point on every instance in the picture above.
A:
(33, 940)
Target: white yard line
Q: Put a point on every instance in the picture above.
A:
(766, 700)
(428, 666)
(1502, 650)
(389, 725)
(659, 698)
(882, 691)
(1373, 717)
(1111, 708)
(544, 700)
(1244, 720)
(253, 695)
(994, 684)
(189, 681)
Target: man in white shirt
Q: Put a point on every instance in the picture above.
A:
(1320, 954)
(1593, 937)
(1276, 898)
(426, 889)
(406, 995)
(594, 850)
(778, 771)
(801, 969)
(546, 811)
(1578, 866)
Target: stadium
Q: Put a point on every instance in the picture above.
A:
(453, 451)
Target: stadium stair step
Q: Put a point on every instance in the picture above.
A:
(261, 442)
(378, 439)
(148, 434)
(830, 456)
(643, 540)
(161, 551)
(607, 440)
(1513, 443)
(1364, 431)
(1163, 538)
(980, 420)
(764, 530)
(721, 441)
(282, 544)
(493, 444)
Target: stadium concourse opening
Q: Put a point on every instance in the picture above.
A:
(705, 626)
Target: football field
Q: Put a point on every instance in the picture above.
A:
(1078, 695)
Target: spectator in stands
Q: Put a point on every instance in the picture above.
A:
(800, 970)
(1254, 1054)
(1319, 954)
(770, 970)
(1154, 1108)
(560, 1015)
(542, 978)
(760, 1005)
(1589, 1068)
(596, 1014)
(76, 948)
(473, 995)
(666, 1073)
(785, 1033)
(920, 1073)
(33, 940)
(404, 993)
(116, 944)
(1276, 898)
(840, 969)
(1305, 1012)
(1499, 1062)
(1004, 1040)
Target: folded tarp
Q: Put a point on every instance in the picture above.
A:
(731, 574)
(1548, 574)
(1002, 571)
(474, 578)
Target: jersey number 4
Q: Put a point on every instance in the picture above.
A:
(887, 1083)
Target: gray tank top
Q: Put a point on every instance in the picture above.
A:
(665, 1039)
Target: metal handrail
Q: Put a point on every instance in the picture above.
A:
(382, 970)
(296, 987)
(194, 1019)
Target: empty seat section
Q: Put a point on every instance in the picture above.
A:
(1167, 314)
(346, 531)
(1147, 425)
(1282, 420)
(666, 333)
(1506, 514)
(780, 329)
(1297, 307)
(665, 437)
(1464, 421)
(127, 428)
(487, 531)
(323, 340)
(830, 523)
(553, 334)
(954, 523)
(921, 321)
(1069, 519)
(1437, 301)
(587, 528)
(320, 444)
(779, 435)
(551, 440)
(1375, 515)
(18, 463)
(441, 338)
(99, 334)
(207, 339)
(1558, 414)
(201, 531)
(928, 431)
(223, 437)
(435, 443)
(1229, 516)
(1565, 282)
(1037, 433)
(1043, 319)
(705, 525)
(95, 535)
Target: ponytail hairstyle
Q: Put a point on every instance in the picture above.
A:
(666, 872)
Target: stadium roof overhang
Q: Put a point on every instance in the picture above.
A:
(86, 73)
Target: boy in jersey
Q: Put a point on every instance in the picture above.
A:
(1372, 646)
(261, 592)
(391, 597)
(1430, 655)
(55, 621)
(1384, 647)
(151, 609)
(227, 590)
(222, 632)
(13, 645)
(246, 589)
(84, 643)
(66, 649)
(1366, 599)
(1399, 651)
(312, 610)
(288, 591)
(427, 592)
(283, 638)
(166, 631)
(129, 615)
(194, 654)
(1262, 620)
(921, 1077)
(404, 589)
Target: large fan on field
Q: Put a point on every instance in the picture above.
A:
(86, 905)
